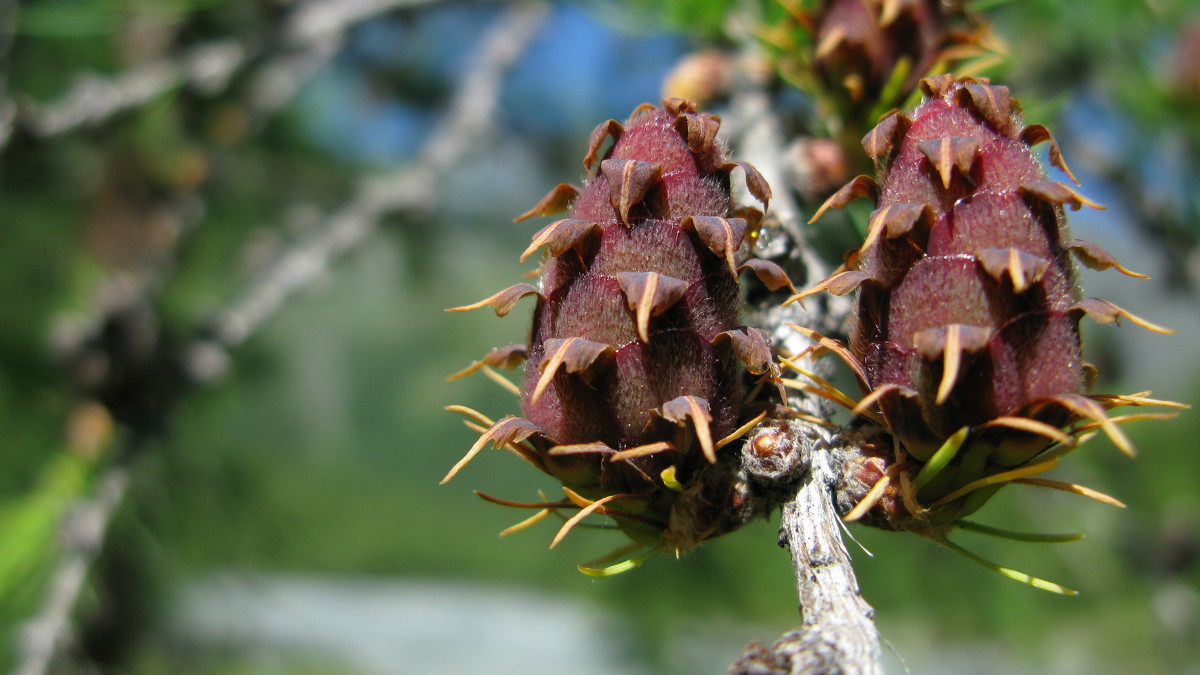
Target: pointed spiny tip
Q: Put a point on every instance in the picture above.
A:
(701, 419)
(555, 201)
(503, 357)
(936, 86)
(699, 130)
(527, 523)
(829, 42)
(696, 410)
(756, 184)
(722, 236)
(839, 283)
(584, 512)
(605, 130)
(799, 297)
(594, 448)
(644, 305)
(458, 466)
(1034, 427)
(1103, 311)
(880, 140)
(502, 302)
(889, 11)
(482, 420)
(861, 186)
(770, 274)
(1097, 258)
(1036, 133)
(1088, 409)
(948, 343)
(1138, 399)
(642, 451)
(867, 403)
(549, 369)
(509, 430)
(742, 430)
(895, 220)
(561, 236)
(836, 347)
(1073, 488)
(575, 355)
(629, 181)
(992, 102)
(1023, 269)
(950, 153)
(950, 367)
(1056, 192)
(649, 294)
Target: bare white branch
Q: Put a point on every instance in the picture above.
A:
(838, 634)
(313, 34)
(83, 534)
(317, 20)
(463, 128)
(94, 99)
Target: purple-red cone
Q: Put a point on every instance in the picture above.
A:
(966, 329)
(635, 367)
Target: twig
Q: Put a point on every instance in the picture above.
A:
(83, 535)
(837, 634)
(314, 32)
(318, 18)
(93, 100)
(794, 464)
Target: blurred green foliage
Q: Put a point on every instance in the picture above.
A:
(320, 452)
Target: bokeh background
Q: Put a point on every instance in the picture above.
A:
(278, 507)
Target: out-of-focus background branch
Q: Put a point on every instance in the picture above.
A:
(275, 200)
(463, 127)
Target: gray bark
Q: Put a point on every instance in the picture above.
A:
(838, 634)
